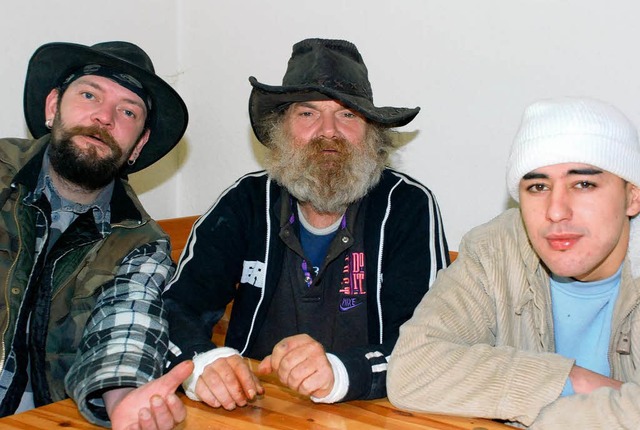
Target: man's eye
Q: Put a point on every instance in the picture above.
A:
(87, 95)
(536, 188)
(585, 185)
(129, 113)
(349, 115)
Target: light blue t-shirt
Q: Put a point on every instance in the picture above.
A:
(582, 313)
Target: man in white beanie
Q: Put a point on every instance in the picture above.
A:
(538, 320)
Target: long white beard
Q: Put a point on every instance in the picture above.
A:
(329, 183)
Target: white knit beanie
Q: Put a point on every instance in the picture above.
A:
(574, 130)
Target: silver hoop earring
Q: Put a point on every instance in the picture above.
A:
(131, 162)
(47, 124)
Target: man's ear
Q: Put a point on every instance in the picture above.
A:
(51, 104)
(633, 200)
(144, 138)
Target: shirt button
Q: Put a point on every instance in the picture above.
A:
(15, 290)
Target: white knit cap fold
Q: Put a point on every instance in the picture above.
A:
(574, 130)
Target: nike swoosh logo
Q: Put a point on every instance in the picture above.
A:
(346, 308)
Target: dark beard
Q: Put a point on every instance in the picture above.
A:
(85, 168)
(330, 182)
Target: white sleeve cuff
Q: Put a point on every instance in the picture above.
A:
(200, 361)
(340, 382)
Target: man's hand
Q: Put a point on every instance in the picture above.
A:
(228, 382)
(585, 381)
(153, 406)
(301, 364)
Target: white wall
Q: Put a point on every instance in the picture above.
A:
(472, 66)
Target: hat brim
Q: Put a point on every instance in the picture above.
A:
(54, 61)
(267, 99)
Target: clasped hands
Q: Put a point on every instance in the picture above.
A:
(299, 361)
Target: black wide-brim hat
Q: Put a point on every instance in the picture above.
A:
(323, 69)
(53, 62)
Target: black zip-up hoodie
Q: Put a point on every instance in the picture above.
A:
(227, 258)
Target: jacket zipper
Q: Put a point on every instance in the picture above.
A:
(620, 344)
(9, 276)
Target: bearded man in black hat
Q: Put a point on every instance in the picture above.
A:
(325, 254)
(82, 264)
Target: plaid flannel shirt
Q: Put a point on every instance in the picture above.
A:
(126, 337)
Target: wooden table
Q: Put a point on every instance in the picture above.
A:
(279, 408)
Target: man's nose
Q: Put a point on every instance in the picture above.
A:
(104, 115)
(559, 205)
(328, 127)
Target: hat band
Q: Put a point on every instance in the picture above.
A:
(123, 79)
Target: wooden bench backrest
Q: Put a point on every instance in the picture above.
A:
(178, 230)
(453, 255)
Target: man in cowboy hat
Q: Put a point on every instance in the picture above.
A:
(538, 319)
(82, 264)
(324, 255)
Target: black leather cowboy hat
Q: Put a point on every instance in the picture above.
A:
(53, 62)
(322, 69)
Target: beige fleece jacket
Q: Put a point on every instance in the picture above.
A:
(481, 342)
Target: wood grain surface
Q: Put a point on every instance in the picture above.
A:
(279, 408)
